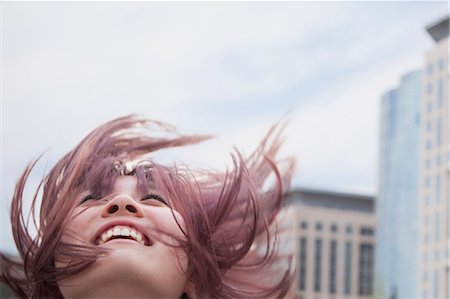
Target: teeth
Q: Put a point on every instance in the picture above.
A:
(138, 236)
(119, 230)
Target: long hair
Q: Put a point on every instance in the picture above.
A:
(230, 232)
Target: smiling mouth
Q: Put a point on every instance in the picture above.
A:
(123, 232)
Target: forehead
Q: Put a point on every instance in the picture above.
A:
(126, 183)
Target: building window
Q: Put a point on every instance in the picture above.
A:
(304, 225)
(334, 228)
(347, 268)
(303, 259)
(438, 160)
(429, 107)
(366, 231)
(439, 131)
(348, 229)
(441, 64)
(438, 188)
(437, 225)
(427, 163)
(333, 266)
(318, 265)
(366, 257)
(428, 144)
(429, 126)
(430, 88)
(318, 226)
(440, 95)
(430, 69)
(436, 284)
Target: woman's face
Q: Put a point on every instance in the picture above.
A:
(139, 264)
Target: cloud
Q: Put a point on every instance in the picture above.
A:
(80, 64)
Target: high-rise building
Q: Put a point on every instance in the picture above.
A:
(335, 244)
(434, 208)
(397, 201)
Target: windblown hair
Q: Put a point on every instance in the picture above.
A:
(230, 232)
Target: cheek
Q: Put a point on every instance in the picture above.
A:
(170, 223)
(78, 229)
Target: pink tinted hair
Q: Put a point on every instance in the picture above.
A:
(229, 218)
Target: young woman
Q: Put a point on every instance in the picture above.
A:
(113, 223)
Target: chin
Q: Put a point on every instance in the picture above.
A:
(127, 272)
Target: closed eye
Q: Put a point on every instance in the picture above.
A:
(152, 196)
(89, 197)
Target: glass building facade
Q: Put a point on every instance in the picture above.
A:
(398, 197)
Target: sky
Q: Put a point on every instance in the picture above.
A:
(230, 69)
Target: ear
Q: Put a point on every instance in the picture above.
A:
(189, 290)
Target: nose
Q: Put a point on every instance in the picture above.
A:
(122, 205)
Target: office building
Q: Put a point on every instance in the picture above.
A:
(397, 201)
(434, 209)
(335, 244)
